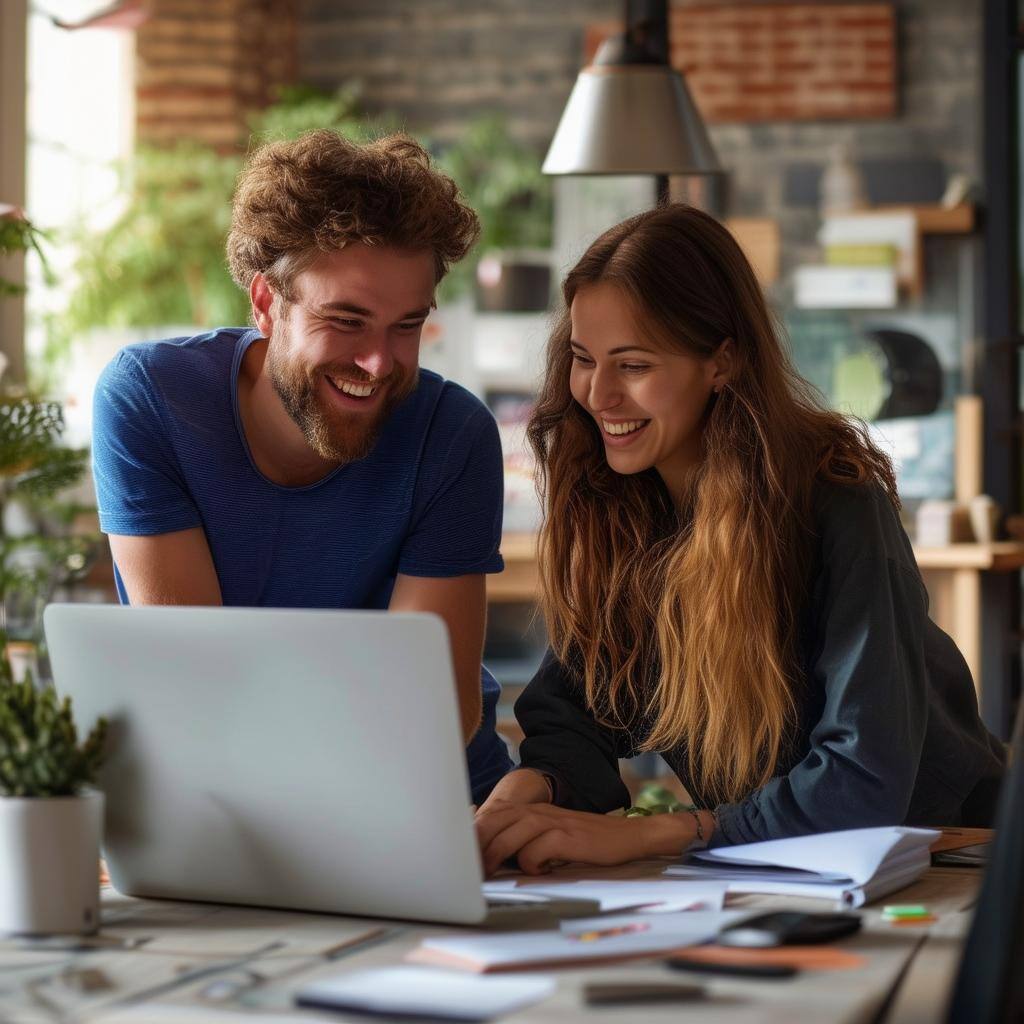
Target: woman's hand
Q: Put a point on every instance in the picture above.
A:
(539, 834)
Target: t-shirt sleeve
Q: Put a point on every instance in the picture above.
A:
(457, 508)
(140, 488)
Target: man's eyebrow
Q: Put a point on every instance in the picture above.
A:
(351, 307)
(619, 350)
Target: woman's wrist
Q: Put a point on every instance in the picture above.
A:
(669, 835)
(526, 786)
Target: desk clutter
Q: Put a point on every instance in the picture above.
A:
(178, 962)
(201, 962)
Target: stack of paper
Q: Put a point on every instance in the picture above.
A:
(590, 940)
(662, 895)
(852, 867)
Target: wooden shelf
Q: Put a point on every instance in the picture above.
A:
(1003, 556)
(936, 220)
(519, 581)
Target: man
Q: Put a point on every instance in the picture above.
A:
(310, 462)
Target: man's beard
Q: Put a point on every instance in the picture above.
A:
(336, 435)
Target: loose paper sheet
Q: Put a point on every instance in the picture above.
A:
(427, 992)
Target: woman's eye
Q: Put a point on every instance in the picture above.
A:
(582, 360)
(635, 367)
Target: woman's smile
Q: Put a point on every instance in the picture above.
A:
(620, 433)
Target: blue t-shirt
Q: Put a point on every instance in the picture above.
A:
(169, 453)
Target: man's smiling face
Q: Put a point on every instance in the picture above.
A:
(345, 352)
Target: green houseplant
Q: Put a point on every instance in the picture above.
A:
(50, 817)
(37, 549)
(501, 179)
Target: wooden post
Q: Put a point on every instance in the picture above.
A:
(968, 439)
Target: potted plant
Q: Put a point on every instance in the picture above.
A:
(50, 817)
(502, 180)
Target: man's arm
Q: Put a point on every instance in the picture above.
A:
(167, 568)
(462, 602)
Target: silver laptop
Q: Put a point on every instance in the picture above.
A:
(282, 758)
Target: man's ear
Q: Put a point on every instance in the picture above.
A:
(262, 298)
(723, 364)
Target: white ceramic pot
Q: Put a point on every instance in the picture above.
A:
(49, 864)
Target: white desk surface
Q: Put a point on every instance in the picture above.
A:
(913, 967)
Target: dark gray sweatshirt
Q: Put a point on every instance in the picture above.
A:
(889, 731)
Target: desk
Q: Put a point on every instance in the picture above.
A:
(914, 963)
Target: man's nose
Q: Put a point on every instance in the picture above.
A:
(375, 358)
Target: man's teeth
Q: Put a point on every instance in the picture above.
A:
(356, 390)
(624, 428)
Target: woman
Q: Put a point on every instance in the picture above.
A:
(725, 582)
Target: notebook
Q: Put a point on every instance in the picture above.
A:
(851, 867)
(593, 940)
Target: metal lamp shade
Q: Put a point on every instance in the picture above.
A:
(631, 119)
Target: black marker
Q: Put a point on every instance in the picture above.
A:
(681, 963)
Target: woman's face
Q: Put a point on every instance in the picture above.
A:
(647, 401)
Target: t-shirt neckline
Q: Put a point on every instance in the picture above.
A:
(241, 347)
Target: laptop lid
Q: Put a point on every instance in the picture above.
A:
(989, 987)
(283, 758)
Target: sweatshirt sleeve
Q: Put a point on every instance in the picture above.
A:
(563, 739)
(870, 667)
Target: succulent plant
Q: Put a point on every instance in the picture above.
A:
(39, 750)
(654, 799)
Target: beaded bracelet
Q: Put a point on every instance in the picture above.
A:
(699, 843)
(700, 829)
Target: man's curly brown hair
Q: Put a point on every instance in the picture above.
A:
(316, 194)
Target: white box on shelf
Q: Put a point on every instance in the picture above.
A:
(897, 228)
(818, 287)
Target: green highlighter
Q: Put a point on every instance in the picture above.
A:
(905, 912)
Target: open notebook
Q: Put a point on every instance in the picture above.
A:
(851, 867)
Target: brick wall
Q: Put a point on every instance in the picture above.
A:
(771, 62)
(203, 64)
(440, 62)
(794, 61)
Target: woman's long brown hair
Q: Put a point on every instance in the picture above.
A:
(684, 618)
